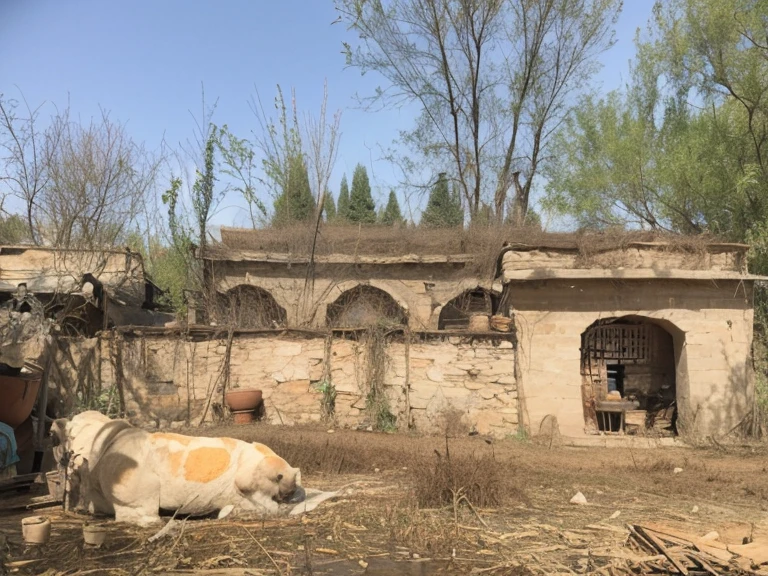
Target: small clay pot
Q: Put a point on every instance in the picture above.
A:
(94, 534)
(242, 399)
(36, 529)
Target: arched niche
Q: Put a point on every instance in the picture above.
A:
(364, 305)
(456, 312)
(250, 307)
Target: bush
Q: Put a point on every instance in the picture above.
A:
(480, 479)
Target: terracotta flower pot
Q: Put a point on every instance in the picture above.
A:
(36, 529)
(94, 534)
(19, 394)
(242, 399)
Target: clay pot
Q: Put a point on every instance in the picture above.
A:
(19, 394)
(55, 484)
(242, 399)
(94, 534)
(244, 417)
(36, 529)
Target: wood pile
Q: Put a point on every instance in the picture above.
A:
(664, 550)
(662, 420)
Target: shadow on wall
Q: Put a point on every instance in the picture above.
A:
(727, 410)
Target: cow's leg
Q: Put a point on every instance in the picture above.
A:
(138, 501)
(133, 491)
(143, 516)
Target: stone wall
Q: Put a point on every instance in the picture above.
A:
(711, 327)
(165, 380)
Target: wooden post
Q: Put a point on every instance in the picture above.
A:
(42, 403)
(407, 334)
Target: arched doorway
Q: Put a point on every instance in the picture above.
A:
(363, 306)
(629, 376)
(250, 307)
(456, 312)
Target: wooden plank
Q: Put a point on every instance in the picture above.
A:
(756, 551)
(18, 481)
(659, 545)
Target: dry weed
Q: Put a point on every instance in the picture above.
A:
(480, 479)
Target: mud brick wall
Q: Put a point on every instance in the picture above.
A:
(167, 381)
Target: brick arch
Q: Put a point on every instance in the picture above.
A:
(247, 305)
(465, 286)
(397, 308)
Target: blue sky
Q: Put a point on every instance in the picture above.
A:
(145, 60)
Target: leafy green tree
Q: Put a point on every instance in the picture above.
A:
(329, 207)
(14, 230)
(296, 203)
(443, 207)
(688, 155)
(362, 208)
(391, 214)
(342, 205)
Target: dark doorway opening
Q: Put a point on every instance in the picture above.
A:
(628, 372)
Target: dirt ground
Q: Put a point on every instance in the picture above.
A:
(378, 525)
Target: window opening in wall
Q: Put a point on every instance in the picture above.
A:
(363, 306)
(250, 307)
(456, 313)
(615, 378)
(629, 371)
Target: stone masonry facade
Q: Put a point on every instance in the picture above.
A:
(161, 379)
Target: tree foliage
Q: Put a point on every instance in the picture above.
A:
(493, 79)
(13, 230)
(444, 208)
(297, 159)
(362, 208)
(342, 204)
(329, 207)
(391, 214)
(296, 202)
(683, 148)
(81, 185)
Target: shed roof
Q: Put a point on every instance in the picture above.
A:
(48, 270)
(373, 240)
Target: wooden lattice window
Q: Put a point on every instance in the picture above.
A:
(618, 342)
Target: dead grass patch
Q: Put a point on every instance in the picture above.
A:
(453, 475)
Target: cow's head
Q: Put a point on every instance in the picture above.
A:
(271, 477)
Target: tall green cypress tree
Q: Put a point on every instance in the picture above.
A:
(329, 207)
(362, 208)
(392, 214)
(342, 205)
(443, 208)
(296, 203)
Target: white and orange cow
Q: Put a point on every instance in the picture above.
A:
(122, 470)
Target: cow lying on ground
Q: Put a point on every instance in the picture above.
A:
(122, 470)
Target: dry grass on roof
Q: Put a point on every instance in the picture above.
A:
(480, 240)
